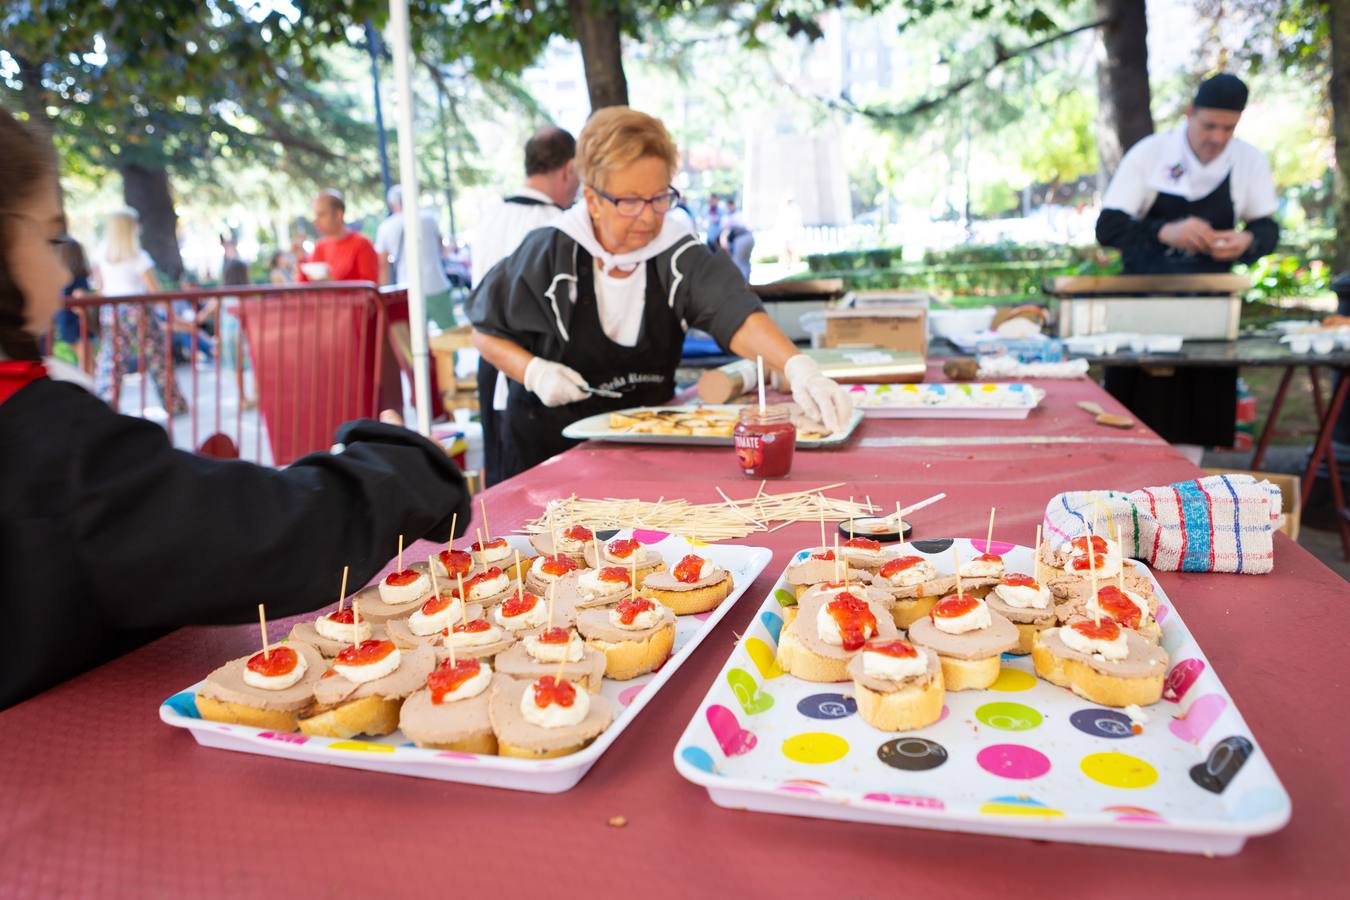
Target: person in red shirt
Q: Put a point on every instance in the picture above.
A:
(349, 255)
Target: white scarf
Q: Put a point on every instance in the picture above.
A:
(576, 224)
(1177, 171)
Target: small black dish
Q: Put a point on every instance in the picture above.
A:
(878, 528)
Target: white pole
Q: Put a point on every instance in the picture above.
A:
(412, 215)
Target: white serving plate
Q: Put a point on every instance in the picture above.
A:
(1011, 762)
(393, 754)
(884, 401)
(596, 428)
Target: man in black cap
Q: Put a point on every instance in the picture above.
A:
(1173, 207)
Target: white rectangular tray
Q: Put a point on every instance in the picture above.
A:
(395, 755)
(930, 401)
(1022, 759)
(596, 428)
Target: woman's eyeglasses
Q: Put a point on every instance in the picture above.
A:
(632, 207)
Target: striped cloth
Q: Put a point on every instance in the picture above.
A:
(1220, 523)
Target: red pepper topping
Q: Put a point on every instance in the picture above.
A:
(630, 609)
(1082, 564)
(578, 533)
(477, 626)
(896, 566)
(859, 543)
(365, 653)
(456, 562)
(437, 604)
(278, 661)
(853, 618)
(555, 635)
(343, 617)
(558, 564)
(989, 557)
(518, 605)
(1107, 630)
(402, 579)
(623, 548)
(491, 574)
(896, 648)
(1113, 602)
(1019, 580)
(953, 606)
(1080, 544)
(688, 569)
(446, 677)
(495, 544)
(615, 574)
(828, 556)
(549, 690)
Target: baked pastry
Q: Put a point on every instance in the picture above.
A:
(330, 632)
(571, 541)
(266, 690)
(1101, 662)
(541, 653)
(363, 691)
(897, 685)
(968, 638)
(1027, 604)
(621, 552)
(695, 585)
(636, 636)
(451, 712)
(545, 718)
(828, 630)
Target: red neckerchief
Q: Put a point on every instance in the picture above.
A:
(18, 374)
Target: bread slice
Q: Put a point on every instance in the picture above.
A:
(906, 612)
(699, 600)
(1026, 637)
(214, 710)
(969, 674)
(908, 708)
(511, 750)
(798, 660)
(1052, 668)
(1094, 686)
(484, 744)
(629, 659)
(373, 715)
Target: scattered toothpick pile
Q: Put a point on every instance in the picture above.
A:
(732, 518)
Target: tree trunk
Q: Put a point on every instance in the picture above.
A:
(1340, 126)
(147, 191)
(597, 24)
(1123, 116)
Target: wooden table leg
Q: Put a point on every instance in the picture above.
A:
(1268, 430)
(1317, 390)
(1323, 449)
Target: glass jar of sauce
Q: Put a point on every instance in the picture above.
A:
(765, 441)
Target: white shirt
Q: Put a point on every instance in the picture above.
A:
(1165, 163)
(122, 278)
(389, 243)
(620, 304)
(506, 225)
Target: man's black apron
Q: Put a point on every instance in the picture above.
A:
(1196, 405)
(527, 432)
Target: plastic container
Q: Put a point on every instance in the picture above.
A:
(765, 441)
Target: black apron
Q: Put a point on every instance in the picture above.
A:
(1194, 405)
(527, 432)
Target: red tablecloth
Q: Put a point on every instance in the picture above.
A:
(96, 796)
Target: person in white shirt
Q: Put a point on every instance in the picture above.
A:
(393, 259)
(550, 187)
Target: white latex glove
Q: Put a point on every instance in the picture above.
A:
(553, 383)
(819, 397)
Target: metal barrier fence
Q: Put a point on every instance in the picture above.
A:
(264, 373)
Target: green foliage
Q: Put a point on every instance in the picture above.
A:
(1284, 275)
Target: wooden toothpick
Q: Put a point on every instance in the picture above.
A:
(989, 538)
(899, 521)
(482, 549)
(851, 533)
(454, 520)
(262, 623)
(482, 504)
(399, 566)
(1092, 574)
(520, 579)
(463, 600)
(567, 651)
(632, 577)
(431, 570)
(356, 623)
(1036, 558)
(595, 540)
(342, 591)
(553, 528)
(820, 508)
(957, 560)
(838, 557)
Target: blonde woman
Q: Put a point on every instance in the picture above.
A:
(121, 268)
(601, 300)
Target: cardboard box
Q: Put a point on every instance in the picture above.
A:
(903, 328)
(1289, 490)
